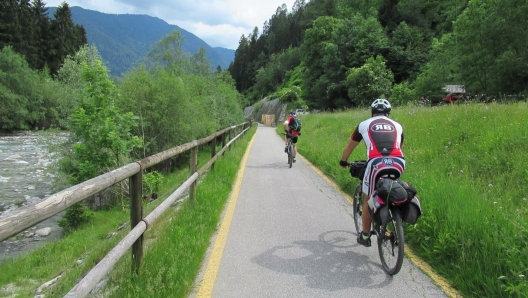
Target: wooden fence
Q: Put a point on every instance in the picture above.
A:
(29, 216)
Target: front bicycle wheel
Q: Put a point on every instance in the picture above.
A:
(391, 243)
(358, 209)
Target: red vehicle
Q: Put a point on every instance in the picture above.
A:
(454, 96)
(455, 92)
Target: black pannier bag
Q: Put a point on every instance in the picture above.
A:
(411, 191)
(391, 191)
(358, 169)
(411, 211)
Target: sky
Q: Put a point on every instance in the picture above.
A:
(220, 23)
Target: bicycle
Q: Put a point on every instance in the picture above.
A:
(389, 231)
(290, 149)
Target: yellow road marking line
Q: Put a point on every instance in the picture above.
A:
(211, 271)
(437, 279)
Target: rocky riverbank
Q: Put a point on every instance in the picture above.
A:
(25, 179)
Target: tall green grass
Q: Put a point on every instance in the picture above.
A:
(469, 164)
(174, 245)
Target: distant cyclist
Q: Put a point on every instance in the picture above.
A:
(383, 138)
(293, 132)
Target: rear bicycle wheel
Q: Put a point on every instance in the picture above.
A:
(391, 243)
(290, 154)
(358, 208)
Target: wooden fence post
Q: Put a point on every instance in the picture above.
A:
(193, 168)
(223, 140)
(213, 151)
(230, 137)
(136, 215)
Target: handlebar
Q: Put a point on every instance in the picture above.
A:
(357, 164)
(357, 168)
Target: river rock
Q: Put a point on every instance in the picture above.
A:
(13, 157)
(43, 232)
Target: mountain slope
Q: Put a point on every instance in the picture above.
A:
(124, 39)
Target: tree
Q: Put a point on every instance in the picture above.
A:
(14, 74)
(67, 37)
(9, 26)
(441, 70)
(200, 64)
(370, 81)
(70, 75)
(408, 52)
(317, 43)
(168, 53)
(490, 45)
(42, 36)
(331, 47)
(101, 133)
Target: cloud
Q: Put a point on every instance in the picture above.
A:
(220, 23)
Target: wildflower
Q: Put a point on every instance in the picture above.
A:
(461, 171)
(502, 277)
(494, 202)
(490, 185)
(522, 276)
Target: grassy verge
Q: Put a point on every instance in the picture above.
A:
(468, 163)
(184, 231)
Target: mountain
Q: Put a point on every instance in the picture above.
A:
(124, 39)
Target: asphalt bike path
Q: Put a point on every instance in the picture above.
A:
(288, 232)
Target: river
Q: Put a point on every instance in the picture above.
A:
(26, 179)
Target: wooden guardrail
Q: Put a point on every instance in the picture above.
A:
(29, 216)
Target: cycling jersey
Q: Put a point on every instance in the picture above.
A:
(291, 131)
(382, 135)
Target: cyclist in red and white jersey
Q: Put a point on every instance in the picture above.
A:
(291, 132)
(383, 138)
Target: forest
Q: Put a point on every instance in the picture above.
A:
(335, 54)
(33, 48)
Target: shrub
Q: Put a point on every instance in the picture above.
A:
(74, 217)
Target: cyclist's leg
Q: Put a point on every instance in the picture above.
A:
(368, 188)
(294, 142)
(365, 216)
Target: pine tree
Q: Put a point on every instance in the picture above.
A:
(67, 37)
(8, 22)
(26, 45)
(42, 33)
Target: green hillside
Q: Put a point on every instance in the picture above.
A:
(124, 39)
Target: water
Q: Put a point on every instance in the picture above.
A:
(26, 179)
(24, 175)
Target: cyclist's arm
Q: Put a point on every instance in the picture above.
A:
(286, 125)
(352, 144)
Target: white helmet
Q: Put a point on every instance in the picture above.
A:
(381, 106)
